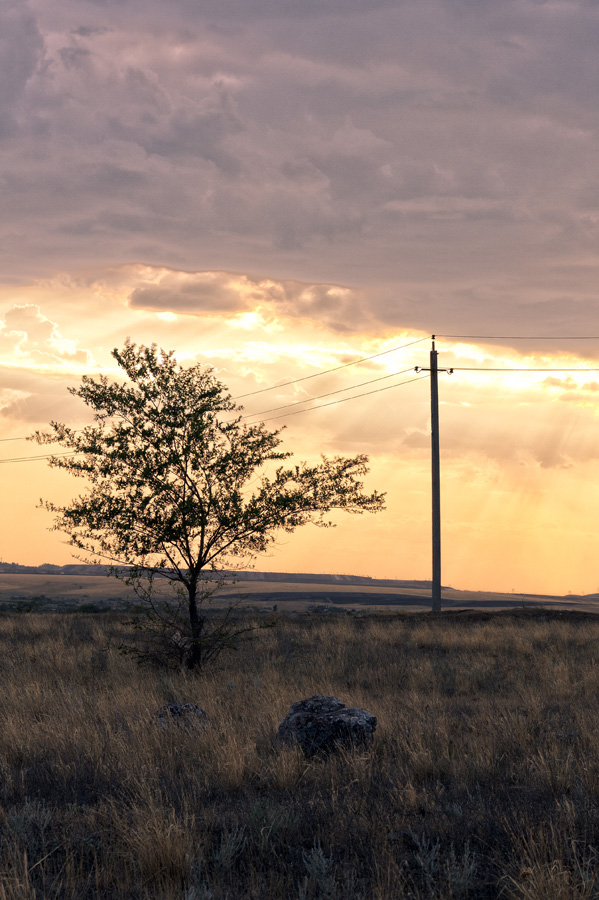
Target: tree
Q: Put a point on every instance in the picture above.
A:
(180, 488)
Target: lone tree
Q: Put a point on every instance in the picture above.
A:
(176, 489)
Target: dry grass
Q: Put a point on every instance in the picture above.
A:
(483, 780)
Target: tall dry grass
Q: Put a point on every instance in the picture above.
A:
(483, 781)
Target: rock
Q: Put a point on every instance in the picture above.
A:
(187, 715)
(324, 724)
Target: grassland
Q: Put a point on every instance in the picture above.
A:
(483, 781)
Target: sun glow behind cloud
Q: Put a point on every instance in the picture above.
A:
(520, 459)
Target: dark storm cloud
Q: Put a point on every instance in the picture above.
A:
(441, 156)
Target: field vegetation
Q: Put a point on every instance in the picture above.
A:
(483, 781)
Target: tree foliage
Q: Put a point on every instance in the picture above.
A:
(178, 487)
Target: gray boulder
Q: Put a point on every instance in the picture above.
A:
(185, 715)
(324, 724)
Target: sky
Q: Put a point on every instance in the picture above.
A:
(279, 188)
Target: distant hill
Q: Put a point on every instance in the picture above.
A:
(50, 569)
(288, 577)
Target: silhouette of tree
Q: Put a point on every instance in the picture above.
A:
(179, 489)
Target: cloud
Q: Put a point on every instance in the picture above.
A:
(28, 338)
(205, 292)
(31, 400)
(21, 46)
(445, 162)
(213, 293)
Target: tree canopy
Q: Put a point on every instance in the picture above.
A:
(178, 485)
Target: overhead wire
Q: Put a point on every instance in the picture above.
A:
(328, 394)
(345, 399)
(273, 387)
(372, 381)
(28, 437)
(514, 369)
(522, 337)
(28, 458)
(354, 362)
(282, 416)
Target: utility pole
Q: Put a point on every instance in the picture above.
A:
(435, 476)
(435, 481)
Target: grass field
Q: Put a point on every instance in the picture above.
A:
(483, 781)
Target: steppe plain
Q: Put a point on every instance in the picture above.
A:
(55, 592)
(482, 782)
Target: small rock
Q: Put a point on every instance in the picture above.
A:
(187, 715)
(324, 724)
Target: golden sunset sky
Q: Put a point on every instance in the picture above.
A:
(278, 189)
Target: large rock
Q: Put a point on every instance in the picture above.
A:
(186, 715)
(324, 724)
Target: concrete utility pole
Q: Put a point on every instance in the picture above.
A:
(435, 475)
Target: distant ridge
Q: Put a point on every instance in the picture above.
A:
(50, 569)
(289, 577)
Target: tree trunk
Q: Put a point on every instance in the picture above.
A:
(196, 621)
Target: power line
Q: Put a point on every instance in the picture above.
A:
(283, 416)
(508, 369)
(334, 369)
(332, 403)
(329, 394)
(28, 437)
(345, 399)
(273, 387)
(27, 458)
(523, 337)
(372, 381)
